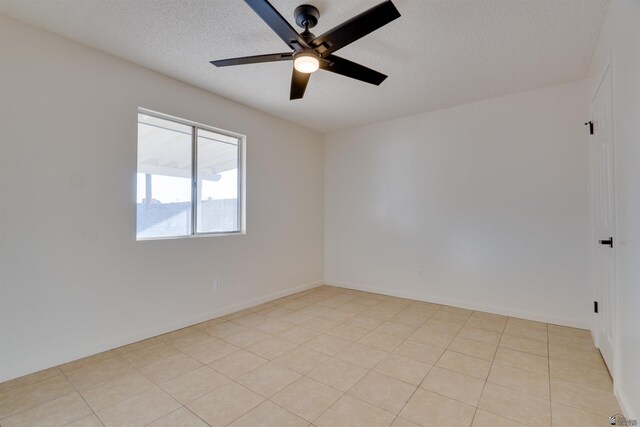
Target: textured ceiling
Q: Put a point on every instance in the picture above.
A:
(439, 53)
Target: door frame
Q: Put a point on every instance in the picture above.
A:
(608, 67)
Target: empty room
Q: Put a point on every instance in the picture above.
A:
(331, 213)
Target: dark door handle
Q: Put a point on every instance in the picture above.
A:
(607, 242)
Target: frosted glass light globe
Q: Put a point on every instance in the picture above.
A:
(306, 63)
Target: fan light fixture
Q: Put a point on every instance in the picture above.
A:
(306, 62)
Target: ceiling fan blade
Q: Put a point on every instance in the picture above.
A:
(270, 15)
(355, 28)
(287, 56)
(298, 84)
(347, 68)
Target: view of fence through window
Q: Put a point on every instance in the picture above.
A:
(170, 189)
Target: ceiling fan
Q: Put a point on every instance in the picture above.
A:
(310, 52)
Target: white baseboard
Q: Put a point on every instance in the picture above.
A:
(466, 304)
(61, 358)
(625, 404)
(170, 327)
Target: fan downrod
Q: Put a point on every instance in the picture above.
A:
(306, 16)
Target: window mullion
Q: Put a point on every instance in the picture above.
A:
(194, 180)
(240, 182)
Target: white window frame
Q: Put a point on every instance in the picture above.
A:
(242, 140)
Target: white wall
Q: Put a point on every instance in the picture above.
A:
(74, 280)
(620, 38)
(489, 199)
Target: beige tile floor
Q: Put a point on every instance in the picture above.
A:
(330, 357)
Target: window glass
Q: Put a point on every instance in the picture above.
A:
(217, 183)
(164, 178)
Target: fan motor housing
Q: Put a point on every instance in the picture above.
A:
(306, 16)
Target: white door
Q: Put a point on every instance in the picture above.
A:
(603, 234)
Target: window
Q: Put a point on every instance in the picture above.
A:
(189, 178)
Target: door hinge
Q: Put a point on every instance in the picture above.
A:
(607, 242)
(595, 306)
(590, 123)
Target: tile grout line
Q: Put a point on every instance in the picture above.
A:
(475, 412)
(43, 403)
(288, 410)
(82, 397)
(357, 382)
(234, 380)
(139, 371)
(302, 375)
(326, 332)
(190, 411)
(447, 349)
(432, 366)
(389, 353)
(344, 393)
(500, 415)
(306, 375)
